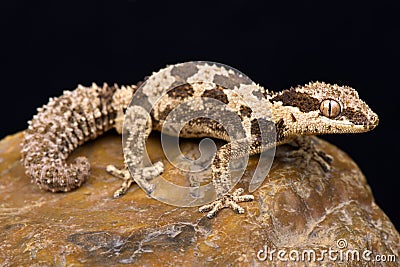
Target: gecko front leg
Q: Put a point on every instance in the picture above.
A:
(221, 178)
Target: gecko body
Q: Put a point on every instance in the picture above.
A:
(70, 120)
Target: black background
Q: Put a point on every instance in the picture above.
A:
(49, 46)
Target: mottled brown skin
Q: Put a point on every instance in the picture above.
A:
(58, 129)
(85, 113)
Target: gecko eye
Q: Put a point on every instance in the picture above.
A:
(330, 108)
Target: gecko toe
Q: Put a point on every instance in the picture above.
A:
(227, 201)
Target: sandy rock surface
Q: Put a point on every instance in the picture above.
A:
(295, 211)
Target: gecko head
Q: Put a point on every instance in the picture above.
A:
(320, 108)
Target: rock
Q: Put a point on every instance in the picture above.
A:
(295, 212)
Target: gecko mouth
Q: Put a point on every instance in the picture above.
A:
(370, 125)
(375, 122)
(346, 126)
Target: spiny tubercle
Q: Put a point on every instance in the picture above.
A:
(62, 125)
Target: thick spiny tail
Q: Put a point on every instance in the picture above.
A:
(62, 125)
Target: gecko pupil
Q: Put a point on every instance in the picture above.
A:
(330, 108)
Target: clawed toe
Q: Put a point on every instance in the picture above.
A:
(142, 176)
(323, 160)
(120, 173)
(123, 189)
(227, 201)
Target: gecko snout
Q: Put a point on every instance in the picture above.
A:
(374, 122)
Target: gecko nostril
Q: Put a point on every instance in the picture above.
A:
(375, 119)
(374, 122)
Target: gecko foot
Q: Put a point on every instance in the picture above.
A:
(308, 151)
(123, 174)
(227, 201)
(142, 175)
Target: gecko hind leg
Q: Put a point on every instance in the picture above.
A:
(143, 175)
(137, 127)
(227, 201)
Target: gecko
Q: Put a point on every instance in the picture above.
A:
(77, 116)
